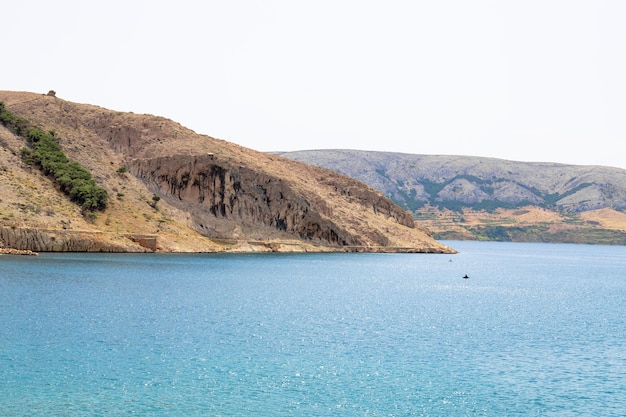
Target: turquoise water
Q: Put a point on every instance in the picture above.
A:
(537, 330)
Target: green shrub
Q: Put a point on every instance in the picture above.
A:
(46, 154)
(155, 200)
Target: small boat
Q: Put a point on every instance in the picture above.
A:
(465, 276)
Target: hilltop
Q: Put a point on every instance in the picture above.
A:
(464, 197)
(171, 189)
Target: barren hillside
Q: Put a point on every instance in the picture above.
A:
(171, 189)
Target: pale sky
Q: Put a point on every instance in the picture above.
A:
(523, 80)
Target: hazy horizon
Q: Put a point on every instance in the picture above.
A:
(532, 81)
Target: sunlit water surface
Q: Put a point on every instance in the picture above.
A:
(537, 330)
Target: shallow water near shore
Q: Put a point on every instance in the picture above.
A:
(537, 329)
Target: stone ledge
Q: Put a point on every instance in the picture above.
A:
(145, 241)
(11, 251)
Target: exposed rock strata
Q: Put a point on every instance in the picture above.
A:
(65, 241)
(240, 195)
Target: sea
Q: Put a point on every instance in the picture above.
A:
(536, 330)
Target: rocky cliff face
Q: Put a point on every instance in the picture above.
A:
(205, 188)
(38, 240)
(215, 191)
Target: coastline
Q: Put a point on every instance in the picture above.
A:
(10, 251)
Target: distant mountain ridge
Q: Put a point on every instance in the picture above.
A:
(458, 183)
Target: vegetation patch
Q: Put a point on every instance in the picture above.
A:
(45, 153)
(541, 233)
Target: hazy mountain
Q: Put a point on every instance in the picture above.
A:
(452, 188)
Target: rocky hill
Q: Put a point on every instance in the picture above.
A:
(171, 189)
(487, 198)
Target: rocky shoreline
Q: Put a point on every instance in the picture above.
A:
(10, 251)
(31, 241)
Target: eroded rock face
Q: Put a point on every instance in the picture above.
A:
(38, 240)
(365, 196)
(216, 190)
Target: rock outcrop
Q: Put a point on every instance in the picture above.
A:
(216, 190)
(38, 240)
(11, 251)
